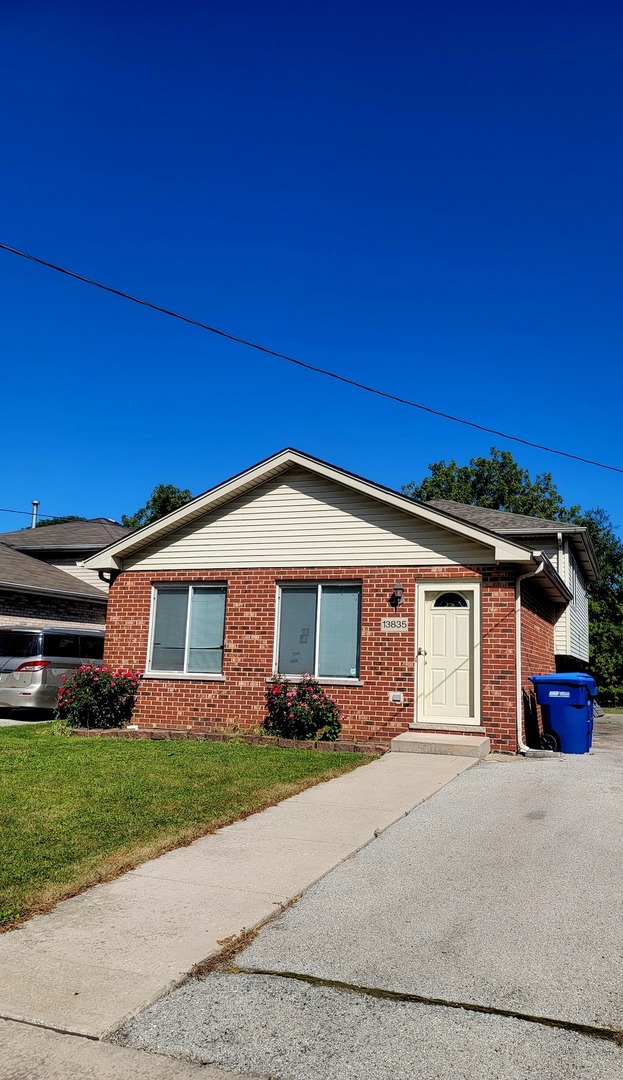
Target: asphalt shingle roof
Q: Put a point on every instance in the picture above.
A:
(19, 571)
(87, 536)
(498, 521)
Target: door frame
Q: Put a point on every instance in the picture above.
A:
(472, 589)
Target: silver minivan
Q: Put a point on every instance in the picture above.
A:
(33, 662)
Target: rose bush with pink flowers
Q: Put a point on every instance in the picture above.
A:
(301, 710)
(96, 697)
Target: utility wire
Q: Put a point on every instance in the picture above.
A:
(303, 364)
(28, 513)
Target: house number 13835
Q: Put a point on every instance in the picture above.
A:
(394, 625)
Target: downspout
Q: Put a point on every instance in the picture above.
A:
(522, 747)
(113, 575)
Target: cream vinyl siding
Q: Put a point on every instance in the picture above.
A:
(578, 612)
(90, 577)
(301, 519)
(571, 629)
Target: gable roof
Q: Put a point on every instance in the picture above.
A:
(70, 536)
(111, 558)
(22, 573)
(522, 525)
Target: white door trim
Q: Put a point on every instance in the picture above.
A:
(472, 591)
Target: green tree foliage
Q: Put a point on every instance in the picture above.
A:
(163, 500)
(499, 483)
(59, 520)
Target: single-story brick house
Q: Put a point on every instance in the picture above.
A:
(413, 615)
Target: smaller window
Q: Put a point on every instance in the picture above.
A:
(61, 645)
(450, 599)
(91, 648)
(188, 629)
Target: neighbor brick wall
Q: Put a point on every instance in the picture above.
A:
(387, 660)
(21, 609)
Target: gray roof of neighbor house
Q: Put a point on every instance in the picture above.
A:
(22, 573)
(71, 536)
(522, 525)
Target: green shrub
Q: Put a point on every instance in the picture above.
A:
(301, 710)
(96, 697)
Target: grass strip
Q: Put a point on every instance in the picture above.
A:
(75, 812)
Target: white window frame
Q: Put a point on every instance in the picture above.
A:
(336, 680)
(164, 586)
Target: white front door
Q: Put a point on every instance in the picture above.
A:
(446, 663)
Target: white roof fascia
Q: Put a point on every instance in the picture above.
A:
(554, 585)
(111, 558)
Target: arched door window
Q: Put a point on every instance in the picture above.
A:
(450, 599)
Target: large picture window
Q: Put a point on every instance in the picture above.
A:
(188, 629)
(319, 630)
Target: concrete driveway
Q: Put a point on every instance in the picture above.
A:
(479, 937)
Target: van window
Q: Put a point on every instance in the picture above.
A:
(19, 643)
(92, 648)
(61, 645)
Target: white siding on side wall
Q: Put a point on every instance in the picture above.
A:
(578, 612)
(571, 629)
(301, 519)
(91, 577)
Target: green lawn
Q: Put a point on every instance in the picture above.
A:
(74, 812)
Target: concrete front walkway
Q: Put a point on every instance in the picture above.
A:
(102, 956)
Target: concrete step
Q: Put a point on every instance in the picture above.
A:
(420, 742)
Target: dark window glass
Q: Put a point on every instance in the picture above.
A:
(19, 643)
(61, 645)
(92, 648)
(451, 599)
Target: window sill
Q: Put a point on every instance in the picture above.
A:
(322, 680)
(196, 676)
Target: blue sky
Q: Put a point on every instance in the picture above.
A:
(425, 198)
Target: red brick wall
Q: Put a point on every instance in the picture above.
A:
(29, 609)
(538, 616)
(387, 660)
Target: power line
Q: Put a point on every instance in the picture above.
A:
(28, 513)
(308, 367)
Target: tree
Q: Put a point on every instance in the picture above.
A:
(59, 520)
(499, 483)
(163, 500)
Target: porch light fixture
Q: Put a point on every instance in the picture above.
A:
(396, 598)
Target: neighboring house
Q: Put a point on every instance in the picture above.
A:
(410, 616)
(42, 579)
(35, 594)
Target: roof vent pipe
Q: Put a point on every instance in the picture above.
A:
(35, 508)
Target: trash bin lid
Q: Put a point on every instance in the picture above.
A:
(568, 678)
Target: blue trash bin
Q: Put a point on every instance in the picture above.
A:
(567, 702)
